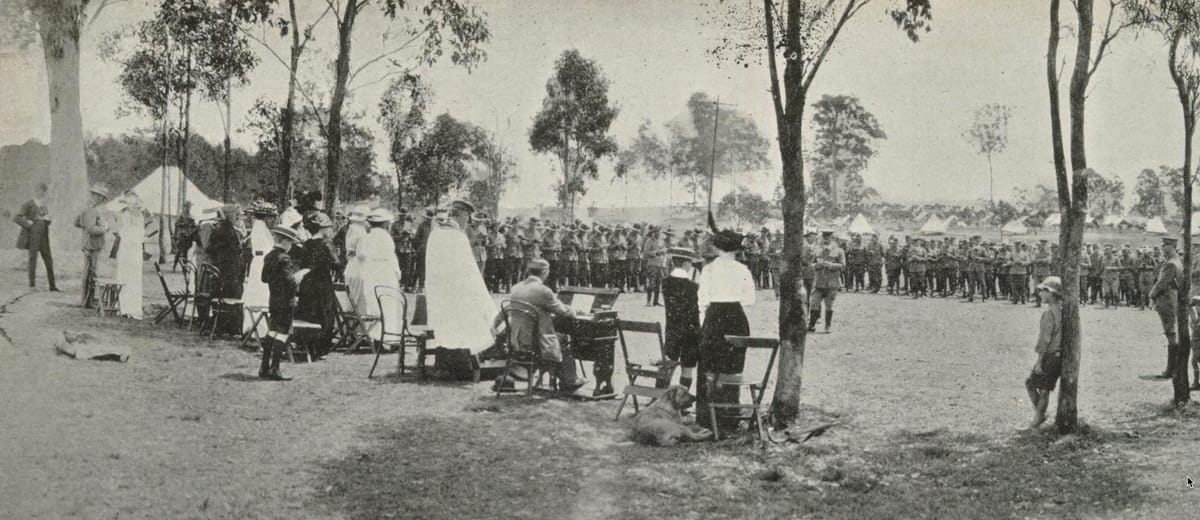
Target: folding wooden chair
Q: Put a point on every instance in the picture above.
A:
(175, 298)
(402, 339)
(661, 374)
(520, 352)
(354, 324)
(757, 388)
(108, 293)
(257, 313)
(299, 325)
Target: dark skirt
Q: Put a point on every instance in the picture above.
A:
(717, 356)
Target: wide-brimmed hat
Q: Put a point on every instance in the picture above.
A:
(379, 216)
(683, 252)
(358, 213)
(285, 232)
(1052, 284)
(100, 189)
(537, 263)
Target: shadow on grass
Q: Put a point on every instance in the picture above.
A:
(507, 463)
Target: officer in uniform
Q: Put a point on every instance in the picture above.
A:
(808, 266)
(874, 264)
(1128, 275)
(892, 262)
(1018, 274)
(617, 250)
(1110, 273)
(1164, 294)
(829, 264)
(917, 258)
(402, 240)
(1095, 286)
(598, 248)
(569, 256)
(552, 253)
(1145, 275)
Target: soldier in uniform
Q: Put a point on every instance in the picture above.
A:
(513, 253)
(763, 272)
(893, 260)
(1164, 294)
(598, 248)
(1095, 286)
(1145, 277)
(874, 264)
(750, 256)
(829, 263)
(808, 265)
(1041, 266)
(1018, 274)
(1128, 276)
(634, 260)
(856, 258)
(917, 258)
(1110, 273)
(403, 240)
(94, 227)
(655, 251)
(497, 264)
(569, 256)
(617, 256)
(551, 251)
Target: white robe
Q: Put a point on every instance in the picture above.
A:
(460, 308)
(255, 293)
(129, 261)
(378, 266)
(362, 296)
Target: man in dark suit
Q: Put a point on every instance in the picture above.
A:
(533, 291)
(34, 220)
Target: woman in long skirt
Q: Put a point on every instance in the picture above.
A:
(379, 268)
(129, 255)
(726, 289)
(255, 293)
(315, 294)
(356, 231)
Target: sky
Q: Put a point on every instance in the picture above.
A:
(655, 55)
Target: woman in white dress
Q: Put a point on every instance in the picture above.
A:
(460, 308)
(356, 231)
(256, 293)
(378, 267)
(132, 228)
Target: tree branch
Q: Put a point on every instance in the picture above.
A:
(96, 13)
(376, 59)
(811, 74)
(1108, 37)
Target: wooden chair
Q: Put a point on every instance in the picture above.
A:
(757, 387)
(219, 306)
(354, 324)
(516, 353)
(297, 326)
(175, 298)
(108, 292)
(206, 281)
(402, 339)
(660, 374)
(257, 313)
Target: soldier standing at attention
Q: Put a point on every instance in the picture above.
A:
(1018, 277)
(496, 263)
(917, 258)
(874, 264)
(512, 255)
(569, 256)
(1041, 266)
(892, 262)
(403, 241)
(1163, 294)
(551, 252)
(829, 264)
(656, 266)
(598, 247)
(808, 261)
(1094, 283)
(1128, 275)
(1085, 270)
(1146, 268)
(617, 255)
(633, 254)
(583, 269)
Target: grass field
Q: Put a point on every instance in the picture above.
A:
(928, 396)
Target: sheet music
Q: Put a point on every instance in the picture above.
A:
(583, 302)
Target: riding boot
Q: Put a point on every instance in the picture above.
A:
(828, 319)
(276, 355)
(813, 316)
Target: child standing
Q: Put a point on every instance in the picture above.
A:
(280, 275)
(1048, 367)
(682, 342)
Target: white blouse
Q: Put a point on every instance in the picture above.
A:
(725, 280)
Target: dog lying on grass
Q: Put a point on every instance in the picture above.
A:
(661, 423)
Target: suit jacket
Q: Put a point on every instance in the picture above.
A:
(35, 225)
(94, 228)
(532, 292)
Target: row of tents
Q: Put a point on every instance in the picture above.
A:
(934, 225)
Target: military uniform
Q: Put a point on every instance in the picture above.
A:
(830, 261)
(552, 252)
(1164, 294)
(917, 258)
(598, 258)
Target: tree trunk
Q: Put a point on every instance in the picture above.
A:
(1179, 351)
(226, 169)
(1071, 232)
(333, 131)
(283, 184)
(66, 174)
(785, 404)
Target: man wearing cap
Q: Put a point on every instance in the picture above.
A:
(493, 275)
(598, 257)
(513, 255)
(583, 268)
(403, 240)
(1041, 265)
(1145, 277)
(91, 221)
(1110, 273)
(829, 264)
(1095, 286)
(856, 260)
(552, 252)
(617, 256)
(892, 262)
(1164, 294)
(569, 256)
(656, 253)
(34, 220)
(918, 258)
(279, 272)
(1129, 267)
(808, 262)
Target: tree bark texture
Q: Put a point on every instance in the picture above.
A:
(333, 131)
(66, 174)
(1179, 351)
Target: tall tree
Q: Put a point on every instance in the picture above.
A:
(402, 113)
(988, 133)
(1105, 196)
(723, 140)
(1073, 189)
(1171, 180)
(844, 141)
(441, 160)
(573, 124)
(744, 207)
(1149, 195)
(809, 30)
(1178, 22)
(429, 31)
(499, 168)
(59, 26)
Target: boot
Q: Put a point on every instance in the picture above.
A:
(264, 369)
(1170, 364)
(813, 316)
(276, 354)
(828, 320)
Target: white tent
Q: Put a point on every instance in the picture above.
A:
(1155, 225)
(861, 226)
(933, 226)
(150, 191)
(1054, 219)
(1112, 220)
(1014, 227)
